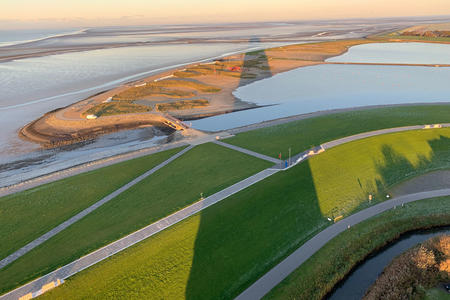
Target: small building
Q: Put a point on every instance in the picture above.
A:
(91, 117)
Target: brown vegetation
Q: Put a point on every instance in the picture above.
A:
(181, 105)
(411, 273)
(116, 108)
(434, 34)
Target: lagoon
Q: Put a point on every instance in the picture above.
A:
(327, 87)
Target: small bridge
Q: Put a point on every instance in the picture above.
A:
(174, 123)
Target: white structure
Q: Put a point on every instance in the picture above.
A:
(91, 117)
(162, 78)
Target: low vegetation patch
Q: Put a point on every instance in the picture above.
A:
(187, 73)
(319, 274)
(201, 87)
(117, 108)
(172, 88)
(181, 105)
(26, 215)
(413, 272)
(151, 90)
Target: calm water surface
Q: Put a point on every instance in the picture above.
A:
(401, 53)
(326, 87)
(360, 279)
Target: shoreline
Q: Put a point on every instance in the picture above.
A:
(193, 137)
(67, 125)
(51, 131)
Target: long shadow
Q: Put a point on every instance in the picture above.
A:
(232, 234)
(247, 234)
(253, 66)
(255, 63)
(244, 236)
(397, 168)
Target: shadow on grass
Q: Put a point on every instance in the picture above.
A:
(396, 168)
(243, 237)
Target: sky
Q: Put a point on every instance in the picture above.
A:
(146, 12)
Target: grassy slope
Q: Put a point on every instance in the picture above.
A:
(317, 276)
(303, 134)
(230, 244)
(27, 215)
(205, 169)
(372, 165)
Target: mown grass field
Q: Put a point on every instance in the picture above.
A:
(26, 215)
(304, 134)
(317, 276)
(234, 242)
(344, 176)
(205, 169)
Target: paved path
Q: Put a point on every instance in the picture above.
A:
(364, 135)
(125, 242)
(249, 152)
(272, 278)
(22, 251)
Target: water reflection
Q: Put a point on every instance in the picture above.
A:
(326, 87)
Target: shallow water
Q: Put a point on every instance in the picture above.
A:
(360, 279)
(32, 87)
(325, 87)
(401, 53)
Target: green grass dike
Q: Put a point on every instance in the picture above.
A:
(206, 169)
(320, 273)
(219, 252)
(24, 216)
(303, 134)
